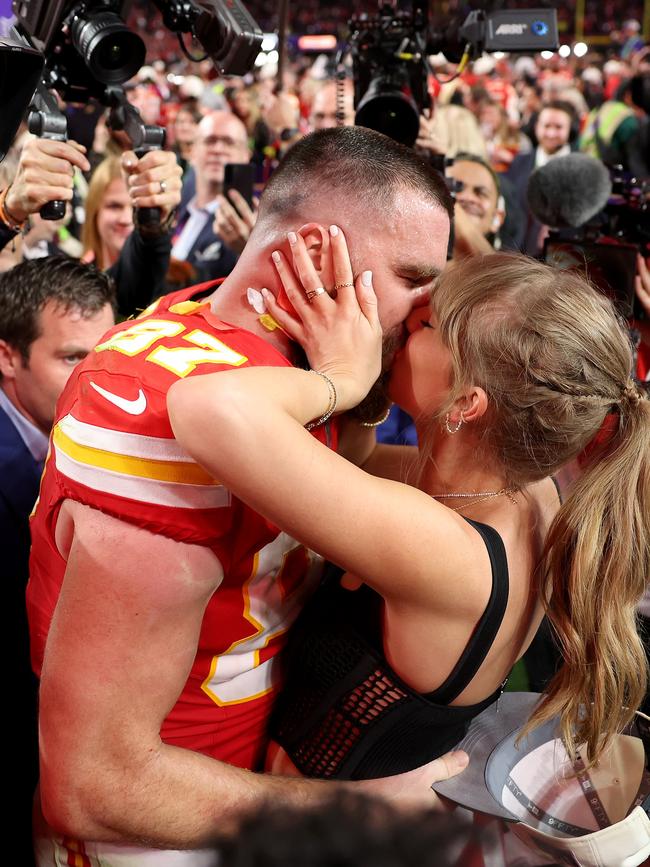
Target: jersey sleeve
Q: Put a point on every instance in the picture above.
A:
(113, 447)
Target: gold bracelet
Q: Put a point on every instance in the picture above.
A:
(9, 221)
(331, 406)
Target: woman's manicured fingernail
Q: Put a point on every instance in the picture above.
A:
(334, 230)
(275, 256)
(292, 238)
(366, 278)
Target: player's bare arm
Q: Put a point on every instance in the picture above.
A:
(106, 775)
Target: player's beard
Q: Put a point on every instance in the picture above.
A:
(376, 403)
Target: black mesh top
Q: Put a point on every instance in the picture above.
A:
(345, 714)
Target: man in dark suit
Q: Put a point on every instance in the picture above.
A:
(52, 312)
(555, 130)
(221, 139)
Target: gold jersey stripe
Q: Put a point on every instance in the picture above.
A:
(187, 473)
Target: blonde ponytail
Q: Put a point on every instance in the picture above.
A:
(597, 565)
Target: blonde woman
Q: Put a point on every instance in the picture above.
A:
(138, 260)
(509, 375)
(109, 215)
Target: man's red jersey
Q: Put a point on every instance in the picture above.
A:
(112, 448)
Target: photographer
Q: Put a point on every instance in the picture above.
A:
(45, 173)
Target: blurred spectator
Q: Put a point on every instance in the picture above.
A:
(640, 145)
(451, 129)
(186, 125)
(613, 134)
(633, 38)
(49, 238)
(145, 96)
(52, 313)
(530, 104)
(245, 105)
(282, 114)
(328, 100)
(109, 215)
(221, 139)
(553, 130)
(480, 209)
(503, 141)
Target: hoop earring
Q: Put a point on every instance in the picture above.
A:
(453, 430)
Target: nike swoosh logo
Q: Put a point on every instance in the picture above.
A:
(133, 407)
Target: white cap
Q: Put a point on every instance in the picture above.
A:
(595, 818)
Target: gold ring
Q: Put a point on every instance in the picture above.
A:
(314, 293)
(343, 285)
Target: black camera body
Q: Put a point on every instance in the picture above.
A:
(88, 51)
(389, 52)
(86, 44)
(605, 248)
(390, 80)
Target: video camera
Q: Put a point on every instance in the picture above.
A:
(605, 248)
(83, 49)
(390, 48)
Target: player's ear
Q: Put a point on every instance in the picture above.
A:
(317, 241)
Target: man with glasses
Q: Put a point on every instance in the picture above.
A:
(221, 139)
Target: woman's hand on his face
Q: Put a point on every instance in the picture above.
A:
(337, 326)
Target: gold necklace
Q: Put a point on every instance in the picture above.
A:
(480, 495)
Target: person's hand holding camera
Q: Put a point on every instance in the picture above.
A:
(154, 181)
(45, 174)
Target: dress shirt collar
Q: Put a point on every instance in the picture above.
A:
(33, 437)
(541, 157)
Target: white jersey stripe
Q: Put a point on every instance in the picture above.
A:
(121, 443)
(178, 495)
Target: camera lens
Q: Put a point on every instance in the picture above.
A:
(388, 110)
(110, 50)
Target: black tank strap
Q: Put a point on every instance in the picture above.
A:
(486, 630)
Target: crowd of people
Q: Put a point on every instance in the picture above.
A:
(367, 363)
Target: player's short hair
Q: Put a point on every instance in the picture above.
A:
(364, 165)
(26, 289)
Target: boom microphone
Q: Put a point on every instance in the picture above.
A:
(568, 191)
